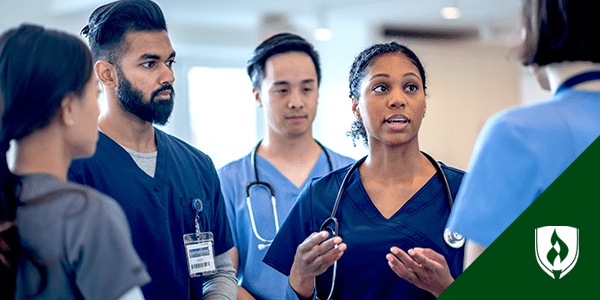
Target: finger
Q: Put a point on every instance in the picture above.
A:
(431, 255)
(323, 262)
(400, 269)
(313, 240)
(430, 261)
(4, 261)
(406, 259)
(5, 225)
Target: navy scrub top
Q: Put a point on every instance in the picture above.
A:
(363, 271)
(159, 209)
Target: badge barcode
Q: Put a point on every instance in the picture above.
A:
(201, 265)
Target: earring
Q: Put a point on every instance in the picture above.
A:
(71, 122)
(424, 114)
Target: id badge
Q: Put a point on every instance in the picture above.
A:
(200, 253)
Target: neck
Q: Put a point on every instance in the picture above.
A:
(397, 163)
(125, 128)
(42, 152)
(559, 72)
(288, 148)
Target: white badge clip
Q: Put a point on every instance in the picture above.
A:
(199, 247)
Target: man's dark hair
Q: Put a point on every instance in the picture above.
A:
(277, 44)
(109, 23)
(560, 30)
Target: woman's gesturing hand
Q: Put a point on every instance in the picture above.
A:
(424, 268)
(312, 259)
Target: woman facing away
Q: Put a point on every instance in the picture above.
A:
(522, 150)
(59, 240)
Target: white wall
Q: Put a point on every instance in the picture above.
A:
(467, 82)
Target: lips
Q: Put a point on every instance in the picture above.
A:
(397, 119)
(296, 118)
(397, 122)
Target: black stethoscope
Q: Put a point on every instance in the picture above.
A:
(452, 239)
(577, 79)
(257, 182)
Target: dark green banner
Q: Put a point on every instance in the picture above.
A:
(510, 267)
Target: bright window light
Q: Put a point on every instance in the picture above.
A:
(322, 34)
(450, 13)
(223, 113)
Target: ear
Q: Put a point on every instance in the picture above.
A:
(356, 109)
(67, 109)
(107, 74)
(256, 93)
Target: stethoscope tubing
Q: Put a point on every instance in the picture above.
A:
(453, 240)
(269, 187)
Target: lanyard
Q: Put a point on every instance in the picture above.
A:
(577, 79)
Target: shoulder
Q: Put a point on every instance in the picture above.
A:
(334, 178)
(453, 175)
(183, 151)
(80, 201)
(236, 165)
(338, 160)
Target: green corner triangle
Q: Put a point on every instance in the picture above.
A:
(508, 269)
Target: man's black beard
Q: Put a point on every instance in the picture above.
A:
(155, 111)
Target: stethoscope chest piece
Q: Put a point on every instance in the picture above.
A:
(453, 239)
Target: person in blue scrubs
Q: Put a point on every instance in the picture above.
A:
(393, 209)
(285, 75)
(166, 187)
(522, 150)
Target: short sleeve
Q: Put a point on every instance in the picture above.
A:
(228, 190)
(221, 230)
(99, 247)
(294, 230)
(500, 182)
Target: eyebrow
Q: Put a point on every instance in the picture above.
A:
(388, 76)
(155, 56)
(283, 82)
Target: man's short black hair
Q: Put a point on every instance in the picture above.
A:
(109, 23)
(277, 44)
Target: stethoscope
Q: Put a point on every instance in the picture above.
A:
(577, 79)
(257, 182)
(452, 239)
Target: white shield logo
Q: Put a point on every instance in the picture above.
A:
(557, 249)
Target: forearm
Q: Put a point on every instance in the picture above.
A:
(243, 294)
(223, 284)
(291, 294)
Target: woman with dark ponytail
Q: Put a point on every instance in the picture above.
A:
(58, 239)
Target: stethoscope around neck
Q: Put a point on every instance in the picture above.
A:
(266, 243)
(331, 224)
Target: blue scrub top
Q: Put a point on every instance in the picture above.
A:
(159, 208)
(518, 154)
(262, 281)
(363, 271)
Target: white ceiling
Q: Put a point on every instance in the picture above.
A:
(242, 14)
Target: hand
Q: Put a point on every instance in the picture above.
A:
(4, 225)
(424, 268)
(313, 258)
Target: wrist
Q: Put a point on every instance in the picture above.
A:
(303, 286)
(444, 287)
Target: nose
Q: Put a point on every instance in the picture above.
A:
(167, 75)
(397, 99)
(296, 101)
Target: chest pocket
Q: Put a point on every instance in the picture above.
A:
(189, 214)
